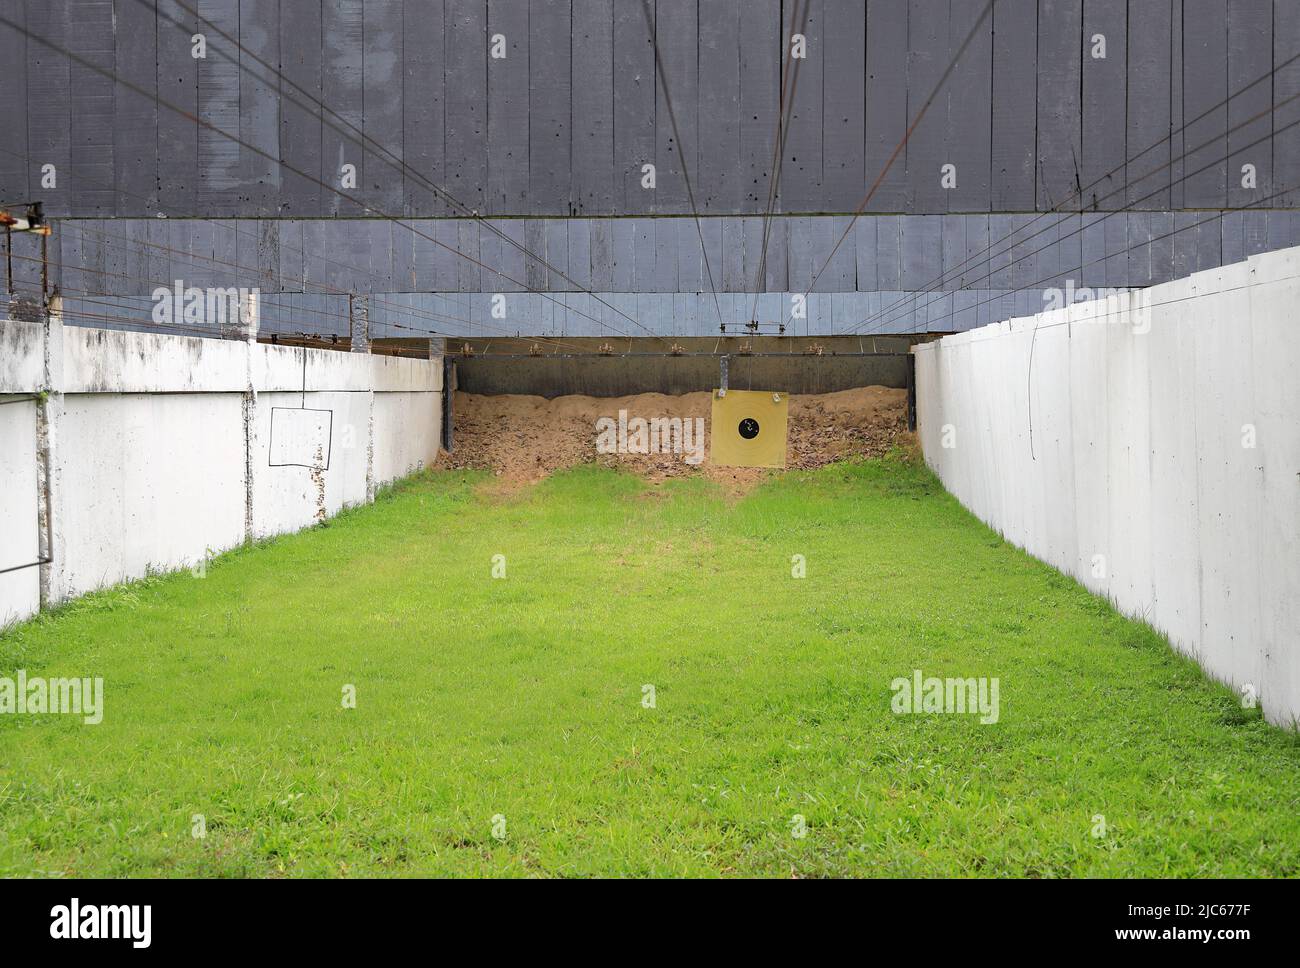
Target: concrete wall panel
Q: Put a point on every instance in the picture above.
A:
(19, 590)
(1163, 433)
(149, 428)
(124, 516)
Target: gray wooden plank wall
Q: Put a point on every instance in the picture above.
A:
(1032, 119)
(664, 255)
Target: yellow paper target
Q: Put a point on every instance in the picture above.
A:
(748, 428)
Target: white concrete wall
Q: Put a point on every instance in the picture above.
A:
(149, 481)
(19, 533)
(162, 448)
(1138, 480)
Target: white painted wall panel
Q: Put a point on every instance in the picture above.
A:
(1273, 296)
(292, 497)
(152, 447)
(19, 531)
(1141, 482)
(150, 482)
(407, 433)
(21, 362)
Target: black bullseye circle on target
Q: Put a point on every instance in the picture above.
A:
(748, 428)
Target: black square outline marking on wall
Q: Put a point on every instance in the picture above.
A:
(271, 440)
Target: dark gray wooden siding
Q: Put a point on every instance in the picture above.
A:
(563, 123)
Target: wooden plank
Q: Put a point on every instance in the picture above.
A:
(801, 165)
(1045, 256)
(489, 253)
(578, 259)
(260, 106)
(1024, 257)
(634, 108)
(1283, 229)
(381, 84)
(15, 162)
(1184, 243)
(549, 123)
(341, 89)
(1146, 172)
(1250, 52)
(1059, 114)
(291, 254)
(1117, 243)
(219, 78)
(1162, 247)
(1209, 243)
(507, 111)
(711, 229)
(208, 238)
(1015, 66)
(602, 254)
(1286, 84)
(995, 273)
(690, 255)
(465, 125)
(799, 254)
(676, 32)
(886, 102)
(777, 274)
(760, 78)
(952, 252)
(969, 102)
(511, 258)
(1255, 231)
(536, 274)
(643, 245)
(300, 124)
(446, 264)
(1092, 270)
(752, 232)
(1205, 85)
(1232, 236)
(91, 175)
(977, 245)
(841, 274)
(664, 278)
(927, 149)
(557, 254)
(469, 277)
(719, 188)
(49, 107)
(265, 236)
(1177, 141)
(423, 107)
(135, 116)
(623, 254)
(593, 108)
(1105, 82)
(922, 250)
(865, 251)
(733, 255)
(423, 256)
(889, 252)
(844, 109)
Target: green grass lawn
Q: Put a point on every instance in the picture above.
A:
(521, 698)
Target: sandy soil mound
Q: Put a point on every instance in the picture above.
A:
(522, 439)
